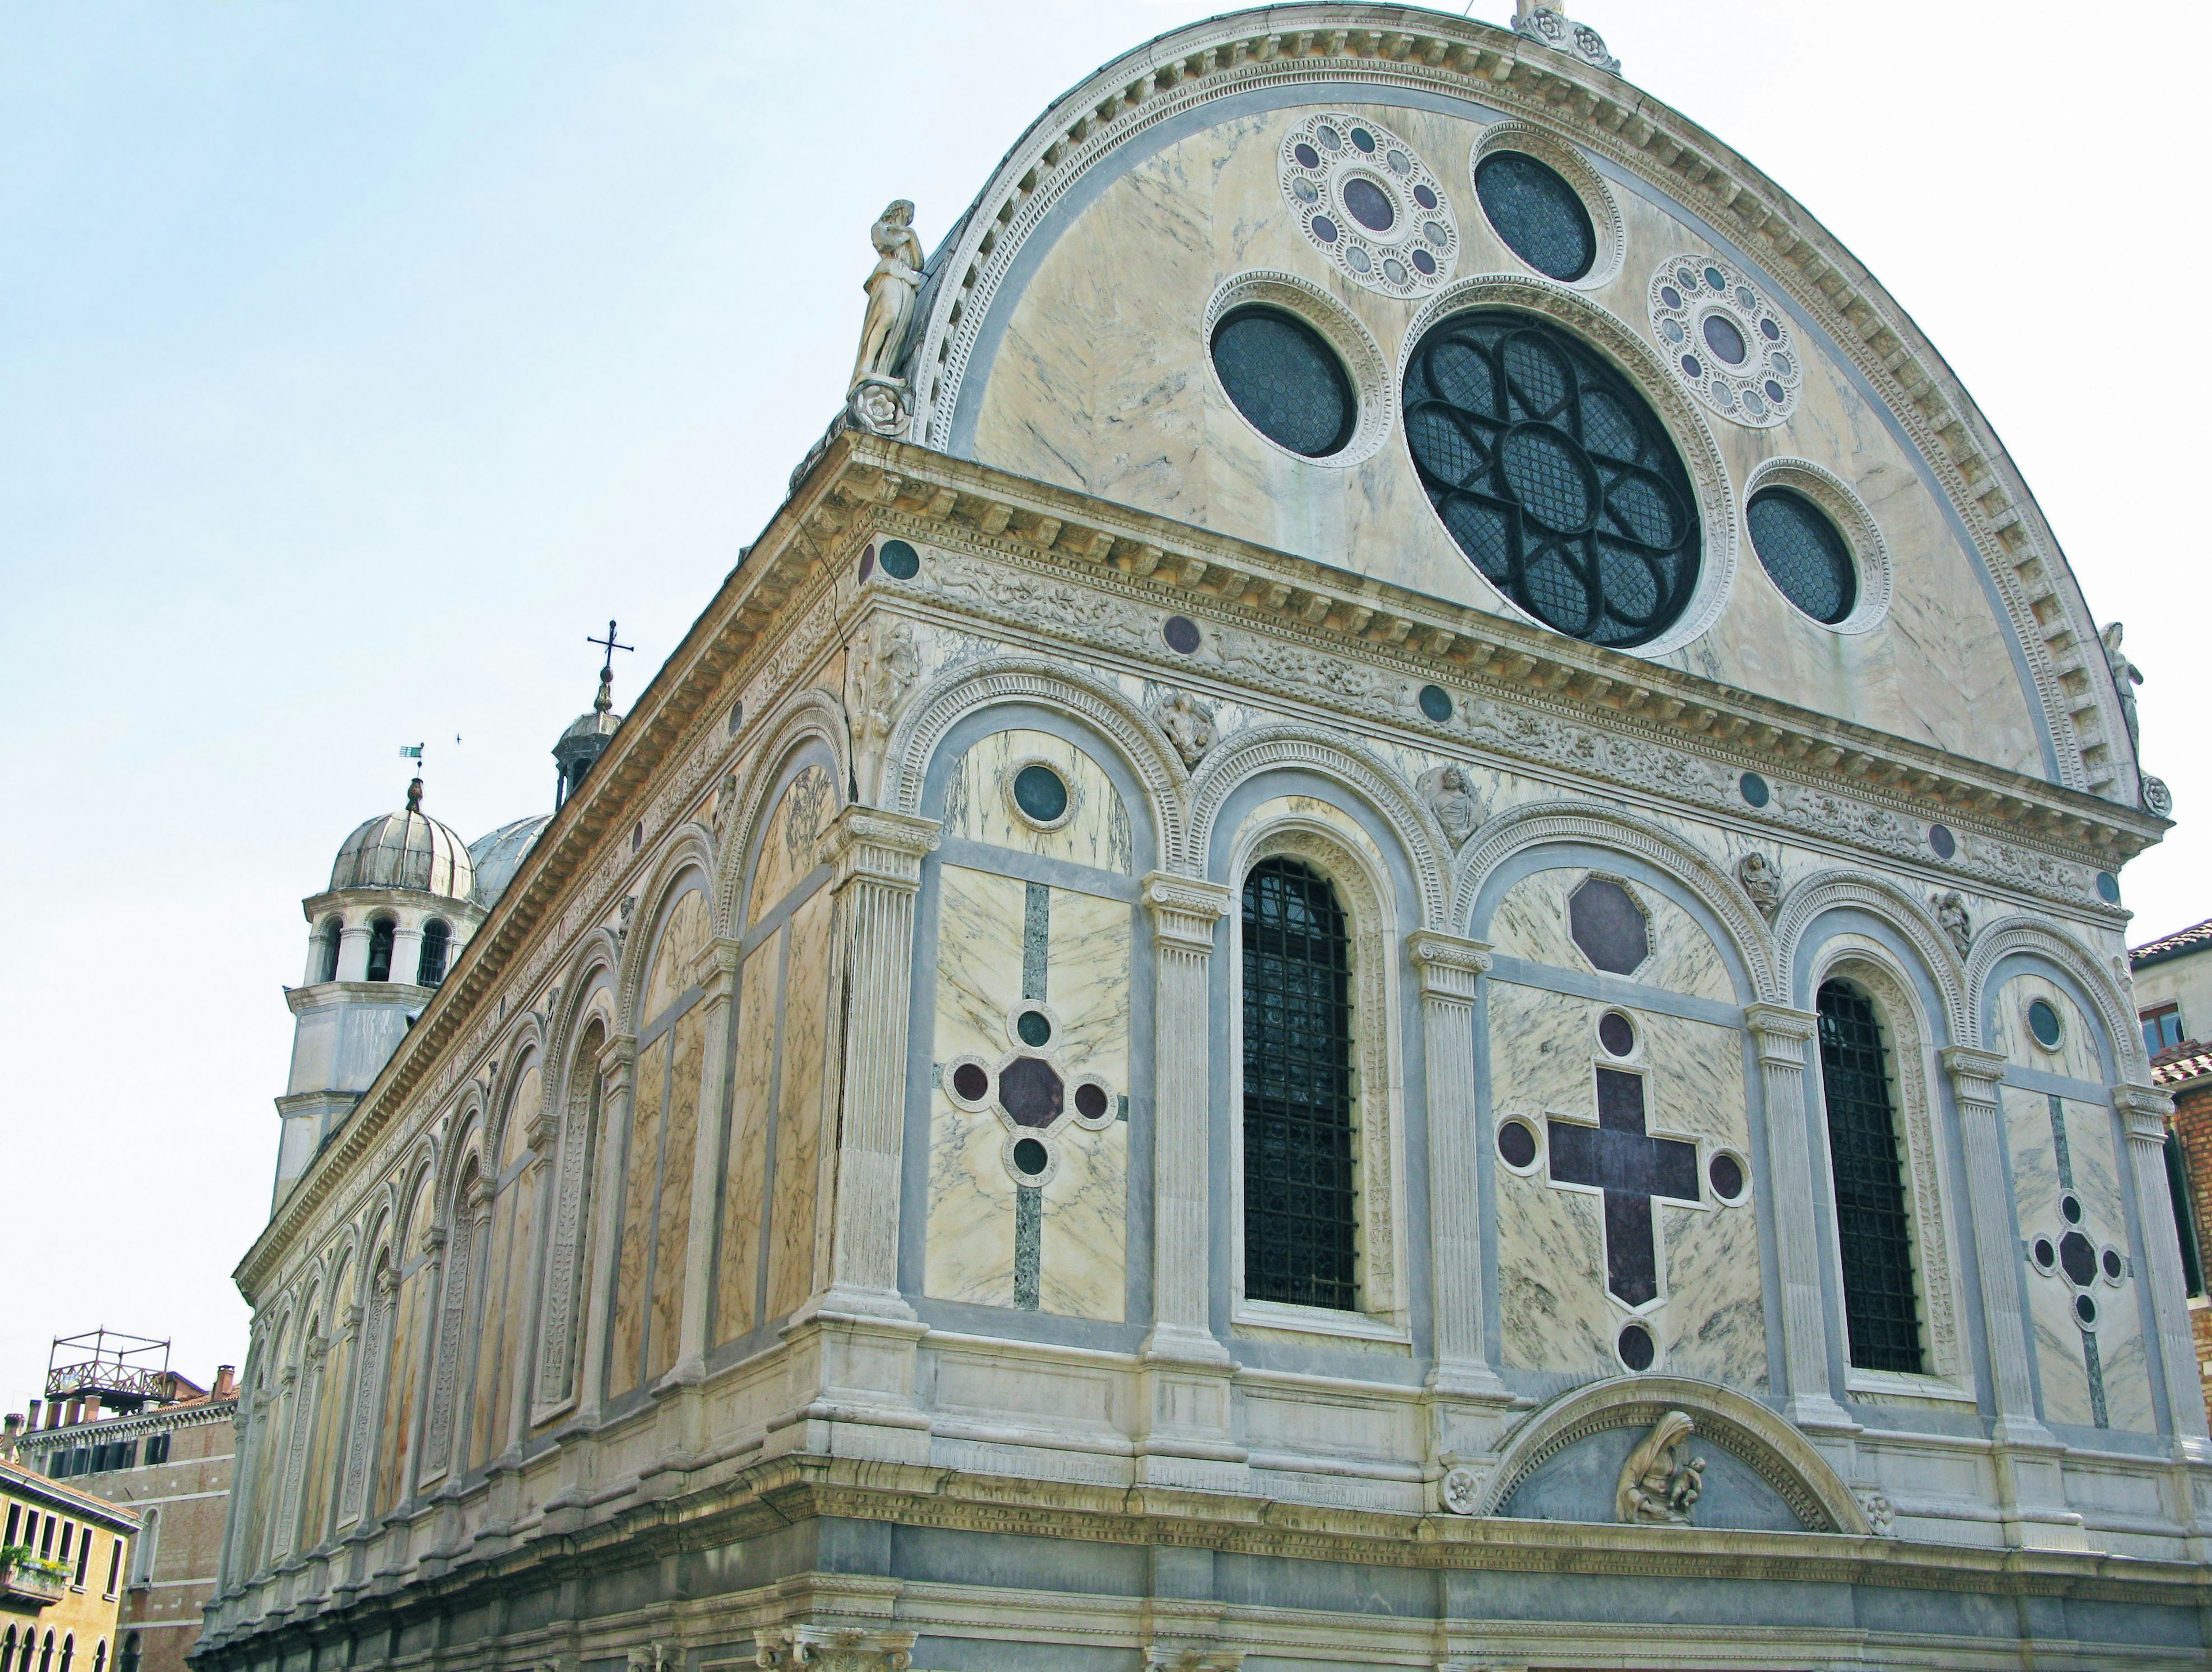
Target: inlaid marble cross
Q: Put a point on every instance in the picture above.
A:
(1632, 1168)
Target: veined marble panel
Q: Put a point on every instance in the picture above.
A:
(1531, 922)
(680, 944)
(978, 806)
(2076, 1056)
(746, 1169)
(521, 1109)
(1556, 1315)
(797, 1225)
(641, 1166)
(790, 845)
(1083, 1243)
(679, 1144)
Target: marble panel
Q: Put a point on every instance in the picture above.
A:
(681, 940)
(506, 1302)
(633, 1239)
(331, 1413)
(2076, 1056)
(679, 1142)
(970, 1252)
(521, 1109)
(1083, 1241)
(797, 1223)
(978, 806)
(1531, 922)
(401, 1367)
(789, 845)
(744, 1171)
(1102, 382)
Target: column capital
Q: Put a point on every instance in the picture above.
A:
(1967, 1066)
(867, 844)
(1185, 908)
(617, 1059)
(1448, 965)
(2146, 1108)
(715, 968)
(1782, 1033)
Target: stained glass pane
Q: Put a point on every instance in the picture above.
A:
(1804, 553)
(1540, 215)
(1286, 380)
(1554, 475)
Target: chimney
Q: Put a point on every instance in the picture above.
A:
(33, 1421)
(15, 1424)
(226, 1382)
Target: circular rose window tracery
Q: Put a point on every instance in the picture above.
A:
(1554, 475)
(1368, 203)
(1722, 335)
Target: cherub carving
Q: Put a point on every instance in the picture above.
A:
(1656, 1484)
(892, 288)
(2126, 676)
(1450, 795)
(1188, 724)
(1880, 1513)
(1951, 913)
(1762, 881)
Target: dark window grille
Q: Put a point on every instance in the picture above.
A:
(380, 950)
(1301, 1223)
(1803, 554)
(1284, 378)
(431, 969)
(1539, 215)
(1881, 1304)
(1554, 475)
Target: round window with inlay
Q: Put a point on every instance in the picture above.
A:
(1286, 379)
(2042, 1022)
(1616, 1033)
(1804, 554)
(1517, 1145)
(1539, 216)
(1040, 794)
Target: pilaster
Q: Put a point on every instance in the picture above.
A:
(617, 1067)
(1184, 1430)
(715, 972)
(1781, 1036)
(1450, 971)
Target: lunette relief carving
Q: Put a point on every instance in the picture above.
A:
(1661, 1482)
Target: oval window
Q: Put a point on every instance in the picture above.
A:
(1554, 475)
(1803, 554)
(1541, 218)
(2043, 1023)
(1286, 379)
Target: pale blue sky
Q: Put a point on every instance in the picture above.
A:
(358, 361)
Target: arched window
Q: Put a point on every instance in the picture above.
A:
(1882, 1303)
(8, 1652)
(99, 1655)
(1301, 1222)
(68, 1650)
(328, 940)
(47, 1654)
(129, 1662)
(431, 969)
(379, 949)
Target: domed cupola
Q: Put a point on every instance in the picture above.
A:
(589, 734)
(497, 856)
(406, 849)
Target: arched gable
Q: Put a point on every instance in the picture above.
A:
(2027, 939)
(1827, 891)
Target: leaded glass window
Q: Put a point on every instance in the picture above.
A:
(1286, 380)
(1554, 475)
(1881, 1305)
(1541, 218)
(1803, 554)
(1300, 1220)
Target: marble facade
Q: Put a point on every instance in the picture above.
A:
(853, 1123)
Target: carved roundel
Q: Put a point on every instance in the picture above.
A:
(1369, 205)
(1725, 340)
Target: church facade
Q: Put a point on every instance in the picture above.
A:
(1381, 931)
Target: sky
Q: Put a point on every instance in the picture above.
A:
(356, 362)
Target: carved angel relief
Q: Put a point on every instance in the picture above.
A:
(1188, 724)
(1761, 879)
(881, 668)
(1656, 1484)
(1449, 793)
(1951, 913)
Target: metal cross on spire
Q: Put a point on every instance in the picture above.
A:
(605, 700)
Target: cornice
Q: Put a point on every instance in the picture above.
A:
(163, 1419)
(861, 483)
(1417, 48)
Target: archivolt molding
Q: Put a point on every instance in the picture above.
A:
(812, 714)
(692, 850)
(1379, 1051)
(2115, 1015)
(1287, 45)
(1543, 824)
(1258, 749)
(1743, 1427)
(591, 985)
(525, 1046)
(1616, 338)
(1827, 890)
(1860, 959)
(957, 692)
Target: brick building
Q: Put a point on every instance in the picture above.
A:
(164, 1460)
(61, 1564)
(2173, 999)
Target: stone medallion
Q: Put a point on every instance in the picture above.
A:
(1365, 199)
(1725, 340)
